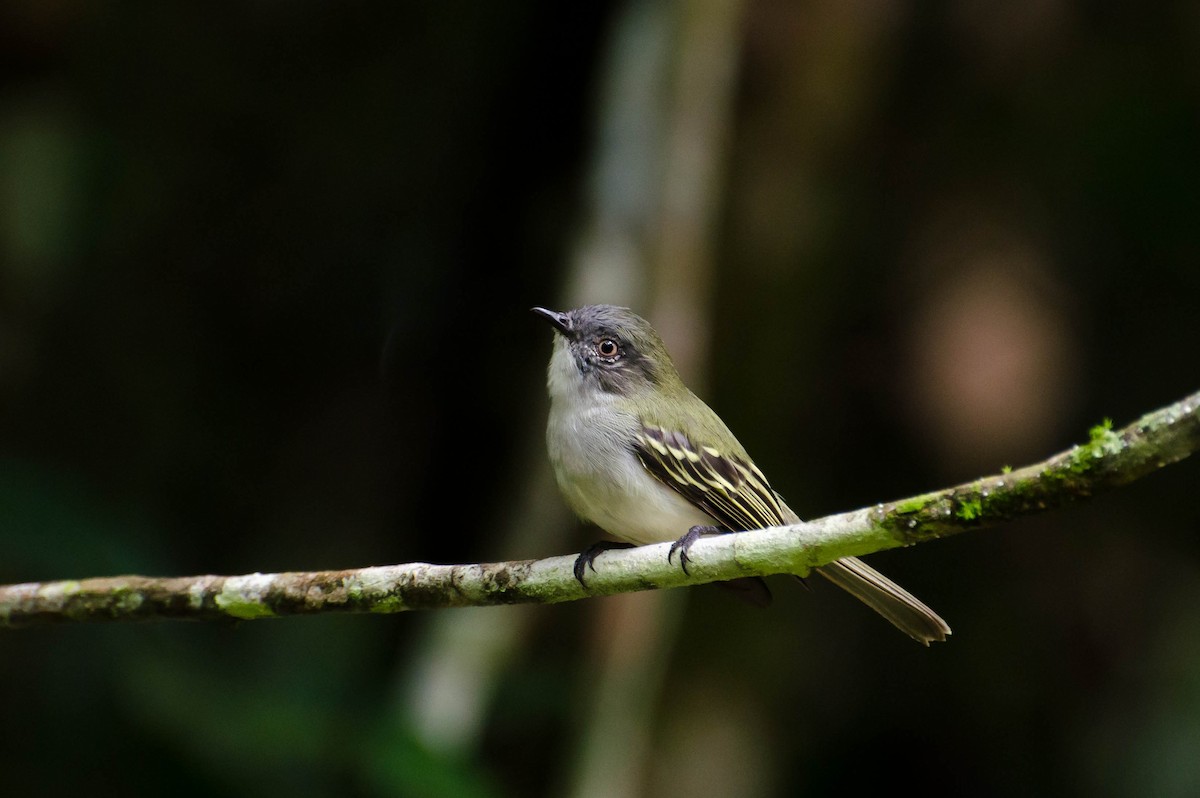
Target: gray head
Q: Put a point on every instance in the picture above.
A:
(610, 348)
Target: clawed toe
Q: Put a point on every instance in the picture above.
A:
(684, 544)
(587, 558)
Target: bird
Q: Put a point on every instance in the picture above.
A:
(639, 455)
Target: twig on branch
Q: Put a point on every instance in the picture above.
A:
(1110, 459)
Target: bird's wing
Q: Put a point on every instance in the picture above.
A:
(727, 486)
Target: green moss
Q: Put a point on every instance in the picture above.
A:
(970, 509)
(1101, 430)
(1102, 442)
(234, 603)
(125, 600)
(1006, 469)
(389, 604)
(913, 505)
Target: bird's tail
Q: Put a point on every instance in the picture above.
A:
(887, 598)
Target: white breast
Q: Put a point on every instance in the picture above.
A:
(589, 439)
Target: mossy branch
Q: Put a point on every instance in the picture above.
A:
(1110, 458)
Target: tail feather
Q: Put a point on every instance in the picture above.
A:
(887, 598)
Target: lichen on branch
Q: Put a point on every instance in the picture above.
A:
(1109, 459)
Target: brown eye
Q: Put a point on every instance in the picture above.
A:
(607, 348)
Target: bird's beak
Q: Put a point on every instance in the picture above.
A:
(561, 321)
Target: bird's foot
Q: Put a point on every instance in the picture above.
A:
(587, 557)
(685, 543)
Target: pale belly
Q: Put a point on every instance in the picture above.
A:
(624, 499)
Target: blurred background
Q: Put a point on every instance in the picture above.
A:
(265, 272)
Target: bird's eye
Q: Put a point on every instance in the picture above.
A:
(607, 348)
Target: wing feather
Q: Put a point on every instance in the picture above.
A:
(729, 488)
(732, 490)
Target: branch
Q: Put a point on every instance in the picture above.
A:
(1109, 460)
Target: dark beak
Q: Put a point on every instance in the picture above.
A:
(561, 321)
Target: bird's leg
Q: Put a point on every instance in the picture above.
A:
(587, 558)
(684, 543)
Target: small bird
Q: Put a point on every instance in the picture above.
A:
(643, 458)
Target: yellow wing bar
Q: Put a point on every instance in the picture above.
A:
(729, 488)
